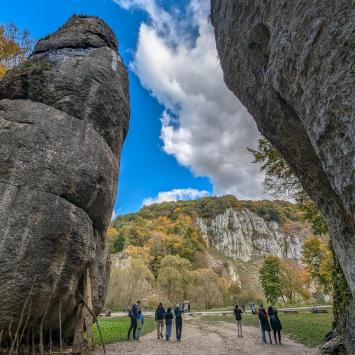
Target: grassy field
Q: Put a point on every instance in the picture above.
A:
(115, 329)
(306, 328)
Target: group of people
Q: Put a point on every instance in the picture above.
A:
(167, 316)
(268, 320)
(161, 316)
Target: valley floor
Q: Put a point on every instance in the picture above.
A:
(201, 338)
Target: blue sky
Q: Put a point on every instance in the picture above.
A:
(182, 116)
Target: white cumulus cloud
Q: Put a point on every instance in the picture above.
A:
(175, 195)
(204, 126)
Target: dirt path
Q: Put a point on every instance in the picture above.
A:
(203, 338)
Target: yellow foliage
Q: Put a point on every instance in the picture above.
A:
(111, 232)
(15, 45)
(140, 253)
(3, 70)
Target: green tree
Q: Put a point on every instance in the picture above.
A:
(282, 182)
(271, 278)
(117, 244)
(192, 243)
(279, 177)
(312, 214)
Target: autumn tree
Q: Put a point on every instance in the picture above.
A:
(174, 277)
(293, 280)
(281, 181)
(271, 278)
(208, 288)
(128, 284)
(169, 280)
(319, 260)
(15, 46)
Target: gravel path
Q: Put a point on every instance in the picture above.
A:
(201, 338)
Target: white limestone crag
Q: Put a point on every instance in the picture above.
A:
(242, 234)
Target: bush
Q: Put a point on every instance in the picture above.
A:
(118, 244)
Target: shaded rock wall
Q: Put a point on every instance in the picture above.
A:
(63, 119)
(242, 234)
(291, 63)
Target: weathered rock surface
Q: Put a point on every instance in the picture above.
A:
(291, 63)
(63, 119)
(242, 234)
(225, 268)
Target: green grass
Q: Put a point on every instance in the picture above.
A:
(306, 328)
(115, 329)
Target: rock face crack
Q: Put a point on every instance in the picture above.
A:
(60, 147)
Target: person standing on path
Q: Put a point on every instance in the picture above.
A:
(238, 317)
(264, 323)
(133, 314)
(275, 323)
(159, 317)
(140, 323)
(178, 322)
(168, 323)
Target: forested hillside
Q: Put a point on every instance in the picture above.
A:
(208, 251)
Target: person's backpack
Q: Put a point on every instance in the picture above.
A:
(261, 315)
(238, 314)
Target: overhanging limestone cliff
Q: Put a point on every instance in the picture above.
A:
(63, 118)
(291, 63)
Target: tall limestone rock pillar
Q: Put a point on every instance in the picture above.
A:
(291, 63)
(64, 115)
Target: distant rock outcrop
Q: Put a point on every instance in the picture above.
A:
(242, 234)
(291, 63)
(63, 118)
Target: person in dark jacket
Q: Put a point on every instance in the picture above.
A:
(133, 314)
(275, 323)
(168, 323)
(238, 317)
(264, 323)
(178, 322)
(159, 318)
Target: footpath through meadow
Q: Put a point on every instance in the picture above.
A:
(205, 338)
